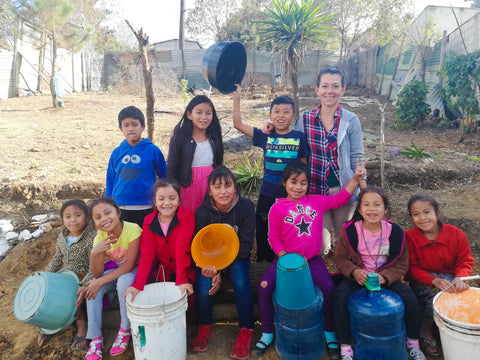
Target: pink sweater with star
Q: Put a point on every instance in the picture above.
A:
(296, 226)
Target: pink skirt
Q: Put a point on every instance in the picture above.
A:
(192, 196)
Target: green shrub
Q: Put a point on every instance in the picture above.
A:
(249, 176)
(413, 152)
(411, 106)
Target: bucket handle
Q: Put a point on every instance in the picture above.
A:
(164, 287)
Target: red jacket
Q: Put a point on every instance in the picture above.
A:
(171, 251)
(449, 254)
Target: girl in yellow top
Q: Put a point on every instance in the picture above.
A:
(113, 264)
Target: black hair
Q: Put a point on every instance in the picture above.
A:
(104, 200)
(224, 174)
(371, 189)
(283, 100)
(423, 197)
(295, 168)
(78, 203)
(161, 183)
(331, 70)
(131, 112)
(214, 131)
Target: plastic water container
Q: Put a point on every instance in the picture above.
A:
(378, 328)
(158, 323)
(460, 339)
(47, 300)
(298, 304)
(295, 289)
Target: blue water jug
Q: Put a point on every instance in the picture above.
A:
(298, 304)
(376, 318)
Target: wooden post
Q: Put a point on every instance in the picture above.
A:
(147, 78)
(181, 36)
(382, 144)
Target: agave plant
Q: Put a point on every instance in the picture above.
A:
(249, 176)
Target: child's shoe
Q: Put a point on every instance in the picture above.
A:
(121, 342)
(415, 354)
(200, 343)
(95, 349)
(243, 344)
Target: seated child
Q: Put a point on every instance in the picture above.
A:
(113, 264)
(371, 244)
(133, 168)
(439, 255)
(72, 252)
(295, 226)
(166, 237)
(223, 204)
(281, 147)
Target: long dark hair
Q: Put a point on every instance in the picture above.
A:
(214, 131)
(371, 189)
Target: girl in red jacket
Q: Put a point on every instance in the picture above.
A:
(439, 255)
(166, 237)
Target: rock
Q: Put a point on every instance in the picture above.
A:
(37, 233)
(5, 225)
(40, 218)
(11, 235)
(24, 235)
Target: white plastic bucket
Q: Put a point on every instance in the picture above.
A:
(158, 322)
(459, 340)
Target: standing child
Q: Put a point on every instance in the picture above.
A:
(166, 237)
(371, 244)
(223, 205)
(281, 147)
(295, 226)
(72, 252)
(195, 149)
(133, 168)
(439, 255)
(113, 264)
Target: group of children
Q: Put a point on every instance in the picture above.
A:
(144, 226)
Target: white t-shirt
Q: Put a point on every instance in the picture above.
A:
(203, 155)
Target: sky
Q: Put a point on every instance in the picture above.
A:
(160, 18)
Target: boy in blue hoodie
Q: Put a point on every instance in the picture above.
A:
(133, 168)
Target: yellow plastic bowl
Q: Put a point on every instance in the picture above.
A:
(215, 245)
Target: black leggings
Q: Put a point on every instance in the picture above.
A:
(342, 316)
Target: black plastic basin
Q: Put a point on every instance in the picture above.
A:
(224, 64)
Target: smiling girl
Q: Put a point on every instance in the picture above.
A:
(224, 205)
(113, 264)
(195, 149)
(439, 255)
(166, 237)
(371, 244)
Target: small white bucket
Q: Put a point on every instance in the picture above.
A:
(158, 322)
(459, 340)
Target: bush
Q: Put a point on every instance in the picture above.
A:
(249, 176)
(411, 106)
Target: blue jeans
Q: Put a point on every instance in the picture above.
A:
(242, 288)
(94, 306)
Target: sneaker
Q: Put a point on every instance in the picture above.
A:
(95, 349)
(243, 344)
(121, 342)
(200, 343)
(334, 352)
(347, 357)
(415, 354)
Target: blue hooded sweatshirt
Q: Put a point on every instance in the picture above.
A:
(132, 171)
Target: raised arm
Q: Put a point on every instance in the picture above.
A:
(237, 117)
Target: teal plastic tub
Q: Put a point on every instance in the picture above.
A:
(47, 300)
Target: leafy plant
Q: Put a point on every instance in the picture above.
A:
(184, 88)
(473, 158)
(414, 152)
(411, 106)
(249, 176)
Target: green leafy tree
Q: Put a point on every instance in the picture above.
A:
(411, 106)
(289, 26)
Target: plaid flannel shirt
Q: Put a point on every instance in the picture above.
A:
(323, 149)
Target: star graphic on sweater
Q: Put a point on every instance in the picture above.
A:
(303, 227)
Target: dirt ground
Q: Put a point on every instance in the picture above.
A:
(49, 155)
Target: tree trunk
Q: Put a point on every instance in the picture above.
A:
(53, 74)
(294, 79)
(147, 79)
